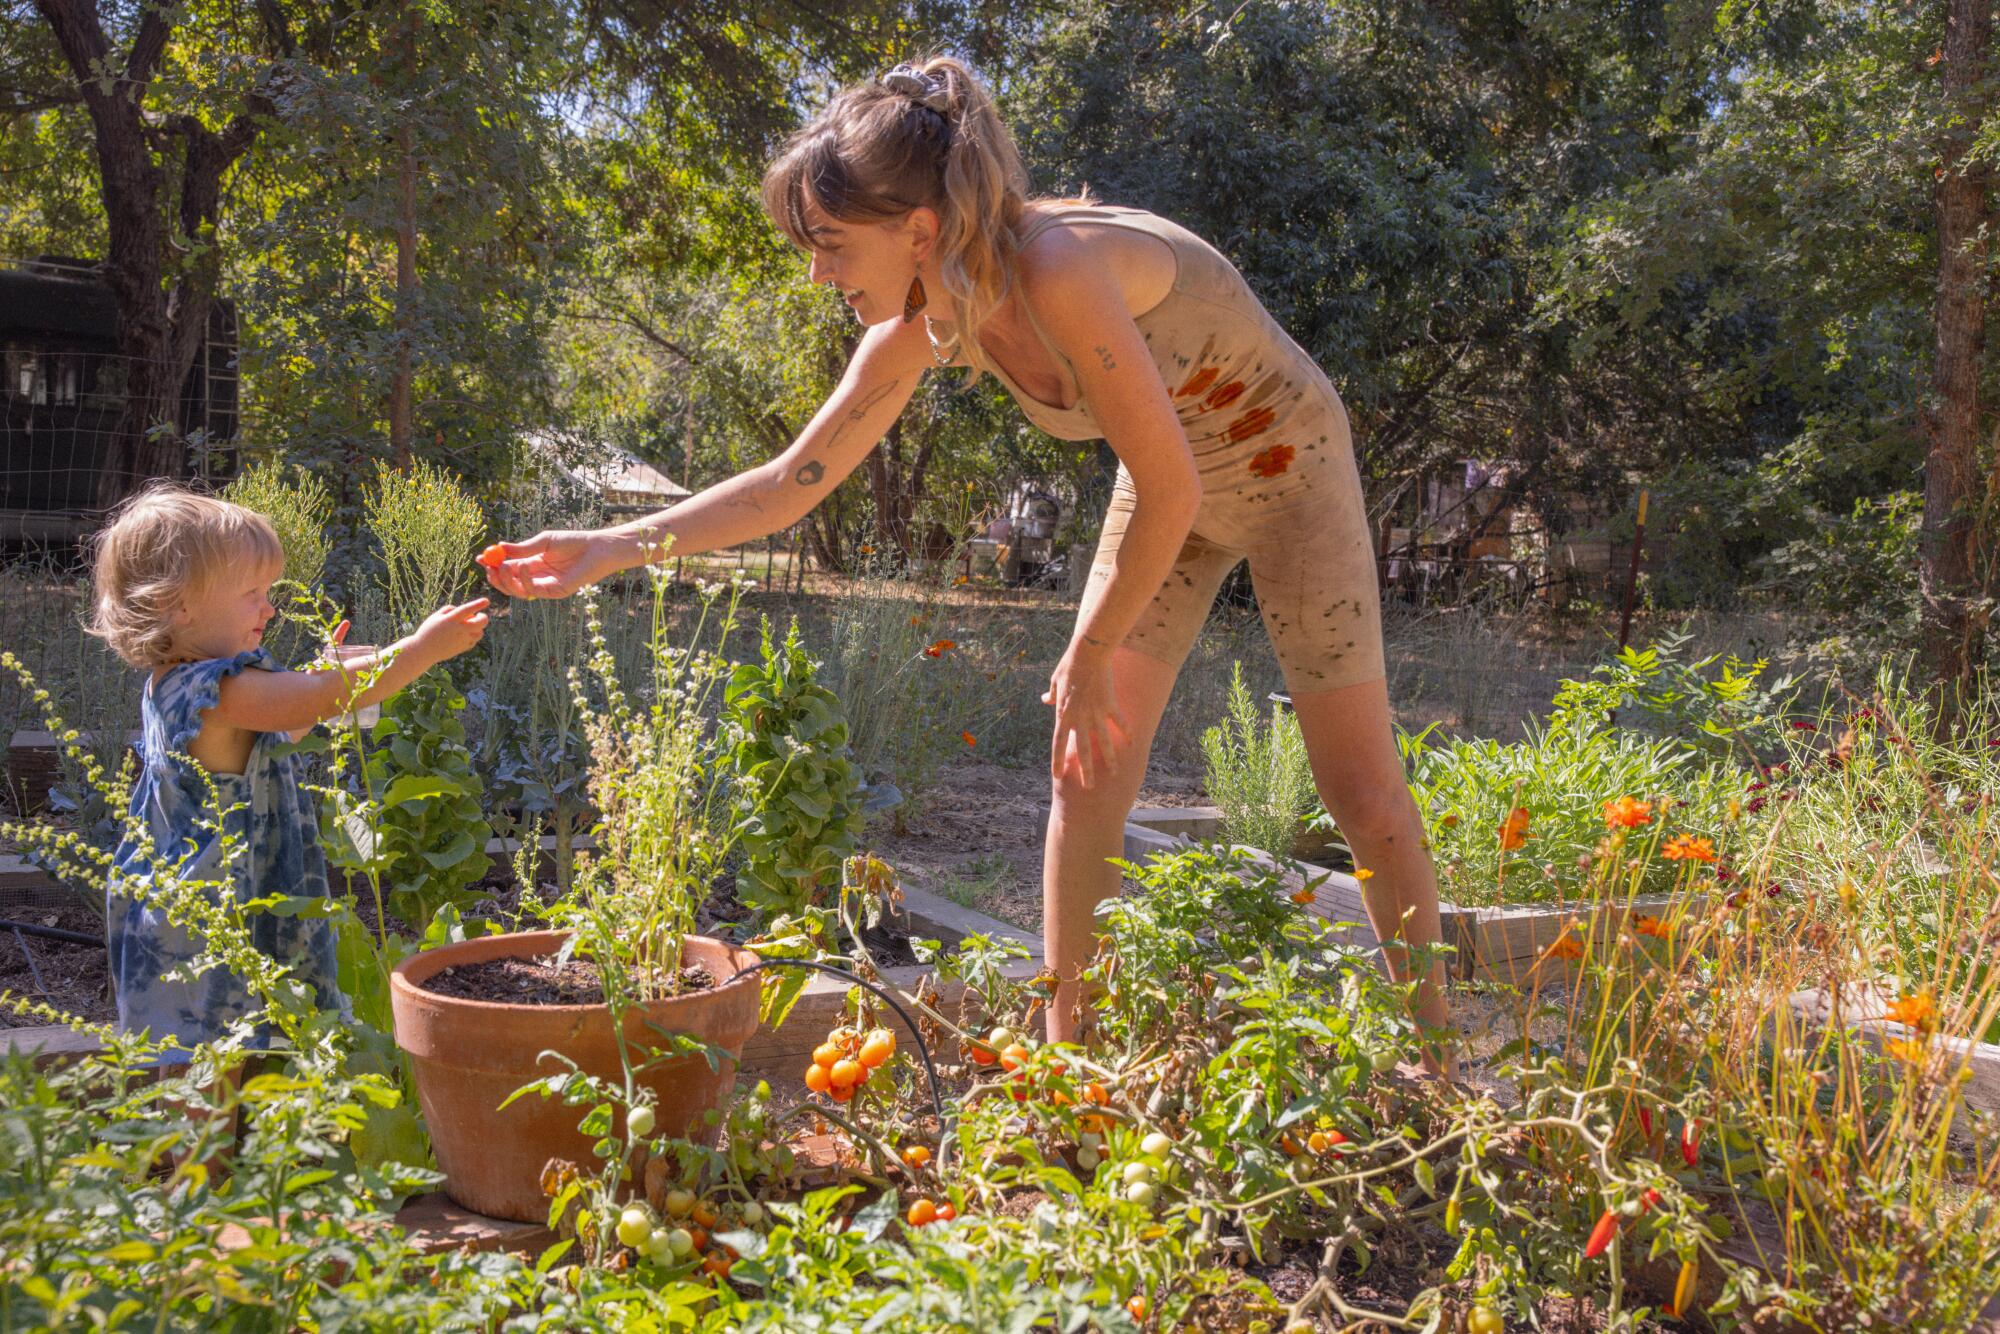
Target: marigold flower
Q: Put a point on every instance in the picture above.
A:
(1627, 813)
(1363, 873)
(1911, 1052)
(1566, 946)
(1918, 1011)
(1653, 926)
(940, 648)
(959, 581)
(1514, 829)
(1303, 896)
(970, 739)
(1688, 848)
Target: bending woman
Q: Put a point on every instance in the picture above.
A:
(910, 198)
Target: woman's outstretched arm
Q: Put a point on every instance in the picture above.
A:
(762, 500)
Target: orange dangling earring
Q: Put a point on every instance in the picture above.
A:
(916, 300)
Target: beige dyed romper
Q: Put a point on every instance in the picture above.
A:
(1279, 482)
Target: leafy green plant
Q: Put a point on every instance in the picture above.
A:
(429, 845)
(1258, 774)
(798, 804)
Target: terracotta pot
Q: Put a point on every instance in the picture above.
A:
(470, 1055)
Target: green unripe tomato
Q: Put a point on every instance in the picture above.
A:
(1088, 1158)
(1384, 1060)
(657, 1244)
(680, 1242)
(679, 1203)
(639, 1122)
(1156, 1145)
(753, 1214)
(635, 1225)
(1485, 1320)
(1141, 1193)
(1136, 1172)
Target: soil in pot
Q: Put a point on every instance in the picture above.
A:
(540, 981)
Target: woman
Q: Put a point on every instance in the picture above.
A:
(910, 198)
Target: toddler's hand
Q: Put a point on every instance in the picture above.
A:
(450, 631)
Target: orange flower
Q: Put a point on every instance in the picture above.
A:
(1514, 829)
(1566, 946)
(1627, 813)
(1653, 926)
(1250, 423)
(1197, 382)
(1448, 821)
(940, 648)
(1223, 396)
(959, 581)
(1688, 848)
(1303, 896)
(1273, 461)
(916, 620)
(1363, 873)
(1918, 1011)
(1913, 1052)
(969, 739)
(867, 550)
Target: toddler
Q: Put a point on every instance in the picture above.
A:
(183, 584)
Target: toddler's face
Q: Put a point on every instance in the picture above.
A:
(229, 616)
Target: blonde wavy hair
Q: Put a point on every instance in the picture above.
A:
(876, 153)
(164, 545)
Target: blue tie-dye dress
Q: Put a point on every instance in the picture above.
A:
(277, 831)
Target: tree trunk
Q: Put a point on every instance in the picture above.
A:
(1953, 626)
(163, 279)
(406, 262)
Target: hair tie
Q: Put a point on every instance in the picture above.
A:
(913, 83)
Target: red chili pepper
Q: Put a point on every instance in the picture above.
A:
(1691, 1143)
(1648, 1200)
(1646, 1123)
(1601, 1235)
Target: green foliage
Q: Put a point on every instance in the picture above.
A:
(1560, 775)
(428, 844)
(798, 809)
(426, 528)
(299, 506)
(1736, 713)
(1259, 775)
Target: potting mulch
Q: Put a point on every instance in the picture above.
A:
(75, 979)
(538, 981)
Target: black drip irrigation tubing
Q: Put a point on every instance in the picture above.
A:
(937, 1098)
(53, 933)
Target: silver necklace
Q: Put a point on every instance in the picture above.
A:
(938, 354)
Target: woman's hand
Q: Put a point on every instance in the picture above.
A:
(549, 565)
(1090, 731)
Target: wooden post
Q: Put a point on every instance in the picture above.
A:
(1632, 573)
(770, 558)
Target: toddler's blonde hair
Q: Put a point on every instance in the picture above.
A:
(162, 546)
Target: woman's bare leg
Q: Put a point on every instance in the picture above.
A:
(1087, 829)
(1360, 777)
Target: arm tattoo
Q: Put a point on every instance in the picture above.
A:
(1104, 357)
(811, 473)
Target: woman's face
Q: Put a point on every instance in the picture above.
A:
(871, 264)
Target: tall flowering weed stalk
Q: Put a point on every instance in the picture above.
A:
(657, 780)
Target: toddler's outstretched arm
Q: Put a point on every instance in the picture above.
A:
(295, 701)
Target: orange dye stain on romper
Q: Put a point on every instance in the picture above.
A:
(1273, 461)
(1250, 423)
(1223, 396)
(1197, 382)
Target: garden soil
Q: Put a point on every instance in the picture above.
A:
(976, 836)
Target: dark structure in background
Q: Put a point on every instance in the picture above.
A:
(62, 392)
